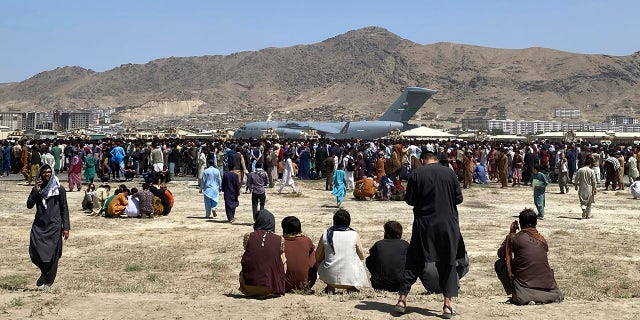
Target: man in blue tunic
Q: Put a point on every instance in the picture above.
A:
(211, 182)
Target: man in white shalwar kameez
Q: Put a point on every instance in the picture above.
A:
(287, 174)
(585, 182)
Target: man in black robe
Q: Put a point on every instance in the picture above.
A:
(50, 225)
(434, 192)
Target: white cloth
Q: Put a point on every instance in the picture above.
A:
(633, 167)
(133, 207)
(635, 189)
(51, 189)
(48, 158)
(341, 264)
(287, 176)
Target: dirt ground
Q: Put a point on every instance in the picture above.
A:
(185, 267)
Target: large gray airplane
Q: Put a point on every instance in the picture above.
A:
(395, 118)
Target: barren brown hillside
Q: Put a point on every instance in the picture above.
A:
(360, 71)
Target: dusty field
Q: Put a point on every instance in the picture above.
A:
(185, 267)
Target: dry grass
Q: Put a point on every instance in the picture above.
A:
(178, 256)
(14, 282)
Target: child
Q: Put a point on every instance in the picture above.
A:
(87, 201)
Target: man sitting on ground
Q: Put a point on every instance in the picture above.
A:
(300, 252)
(365, 188)
(386, 259)
(133, 205)
(523, 267)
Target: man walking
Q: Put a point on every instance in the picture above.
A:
(211, 182)
(434, 192)
(585, 182)
(256, 182)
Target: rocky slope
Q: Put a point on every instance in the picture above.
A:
(356, 74)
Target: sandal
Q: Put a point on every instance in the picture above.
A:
(353, 290)
(329, 290)
(400, 307)
(450, 314)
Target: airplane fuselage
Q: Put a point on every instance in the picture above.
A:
(334, 130)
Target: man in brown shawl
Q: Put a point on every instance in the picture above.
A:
(523, 267)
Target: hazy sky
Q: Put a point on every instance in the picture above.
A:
(36, 36)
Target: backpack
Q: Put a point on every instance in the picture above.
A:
(351, 164)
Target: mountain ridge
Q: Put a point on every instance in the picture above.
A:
(356, 74)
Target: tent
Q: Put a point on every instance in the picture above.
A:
(426, 133)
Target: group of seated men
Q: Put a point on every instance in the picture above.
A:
(523, 266)
(273, 265)
(128, 203)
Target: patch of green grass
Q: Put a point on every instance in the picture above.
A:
(153, 277)
(15, 302)
(561, 232)
(294, 195)
(217, 268)
(14, 282)
(591, 271)
(133, 268)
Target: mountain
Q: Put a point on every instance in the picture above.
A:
(353, 75)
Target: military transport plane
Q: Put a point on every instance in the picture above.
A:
(395, 118)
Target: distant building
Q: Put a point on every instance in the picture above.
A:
(78, 120)
(13, 121)
(566, 113)
(618, 119)
(475, 124)
(38, 120)
(520, 127)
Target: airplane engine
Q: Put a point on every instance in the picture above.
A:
(290, 133)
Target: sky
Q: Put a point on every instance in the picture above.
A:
(37, 36)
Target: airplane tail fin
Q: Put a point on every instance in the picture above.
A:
(409, 102)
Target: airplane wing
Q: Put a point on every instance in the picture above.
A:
(321, 127)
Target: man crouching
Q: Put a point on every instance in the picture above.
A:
(523, 267)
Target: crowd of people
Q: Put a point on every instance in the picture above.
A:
(434, 171)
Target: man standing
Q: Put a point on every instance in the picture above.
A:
(571, 162)
(117, 164)
(467, 169)
(287, 174)
(47, 158)
(585, 182)
(50, 225)
(16, 155)
(257, 181)
(211, 182)
(502, 163)
(157, 161)
(328, 171)
(620, 158)
(57, 156)
(539, 182)
(231, 188)
(434, 192)
(34, 164)
(563, 168)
